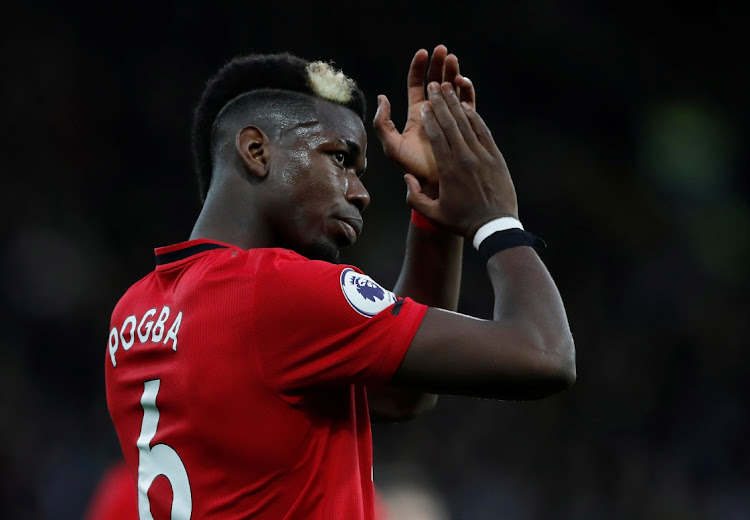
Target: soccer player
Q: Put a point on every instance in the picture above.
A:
(242, 373)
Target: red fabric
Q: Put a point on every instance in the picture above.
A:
(114, 497)
(257, 363)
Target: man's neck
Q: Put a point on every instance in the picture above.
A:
(226, 217)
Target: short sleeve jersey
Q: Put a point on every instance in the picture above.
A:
(236, 383)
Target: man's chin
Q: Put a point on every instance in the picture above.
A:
(325, 251)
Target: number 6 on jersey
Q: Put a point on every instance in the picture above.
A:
(159, 460)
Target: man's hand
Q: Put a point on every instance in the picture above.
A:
(475, 184)
(526, 351)
(411, 149)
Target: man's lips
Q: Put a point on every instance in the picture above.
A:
(352, 227)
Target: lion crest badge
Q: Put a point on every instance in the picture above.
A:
(365, 295)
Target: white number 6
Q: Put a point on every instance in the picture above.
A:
(159, 460)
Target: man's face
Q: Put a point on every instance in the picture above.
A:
(317, 192)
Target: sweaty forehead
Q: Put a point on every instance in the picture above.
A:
(326, 119)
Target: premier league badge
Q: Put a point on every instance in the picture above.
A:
(364, 294)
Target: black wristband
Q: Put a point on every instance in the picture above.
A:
(506, 239)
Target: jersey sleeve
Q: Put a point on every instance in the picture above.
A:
(318, 324)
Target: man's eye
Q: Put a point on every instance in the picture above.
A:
(340, 157)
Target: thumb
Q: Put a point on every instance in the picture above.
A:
(418, 200)
(384, 127)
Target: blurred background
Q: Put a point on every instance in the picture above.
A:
(625, 127)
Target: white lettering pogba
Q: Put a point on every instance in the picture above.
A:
(145, 329)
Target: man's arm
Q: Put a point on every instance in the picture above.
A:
(431, 272)
(527, 350)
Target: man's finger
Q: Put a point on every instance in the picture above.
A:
(418, 200)
(435, 134)
(467, 92)
(451, 69)
(459, 115)
(443, 116)
(415, 78)
(384, 127)
(484, 136)
(436, 72)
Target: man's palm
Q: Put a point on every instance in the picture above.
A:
(411, 148)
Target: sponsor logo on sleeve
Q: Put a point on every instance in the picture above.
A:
(365, 295)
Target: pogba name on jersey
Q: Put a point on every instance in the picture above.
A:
(148, 328)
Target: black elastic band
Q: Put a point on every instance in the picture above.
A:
(167, 258)
(506, 239)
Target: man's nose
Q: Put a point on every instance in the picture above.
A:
(356, 193)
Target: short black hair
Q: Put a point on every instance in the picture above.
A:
(241, 75)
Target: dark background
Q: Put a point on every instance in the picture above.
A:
(625, 128)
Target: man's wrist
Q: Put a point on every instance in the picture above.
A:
(503, 233)
(493, 226)
(420, 221)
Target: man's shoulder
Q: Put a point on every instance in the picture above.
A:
(276, 253)
(286, 261)
(261, 269)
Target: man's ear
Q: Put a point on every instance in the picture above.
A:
(253, 147)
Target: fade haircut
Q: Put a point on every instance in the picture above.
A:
(270, 75)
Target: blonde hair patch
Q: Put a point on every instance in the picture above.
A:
(330, 83)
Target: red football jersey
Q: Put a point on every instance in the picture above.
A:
(236, 382)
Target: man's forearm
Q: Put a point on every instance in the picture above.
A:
(431, 273)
